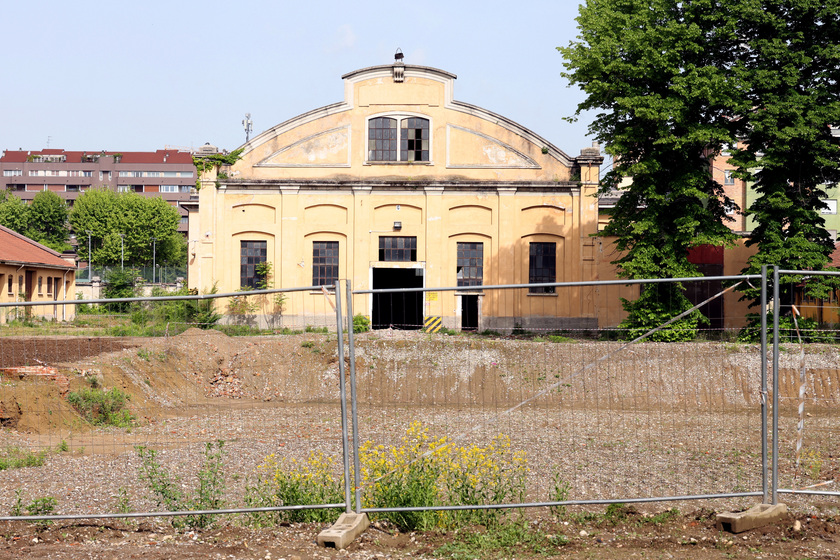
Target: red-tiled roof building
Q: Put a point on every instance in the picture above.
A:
(31, 272)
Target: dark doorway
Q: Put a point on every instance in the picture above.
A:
(398, 310)
(709, 262)
(469, 312)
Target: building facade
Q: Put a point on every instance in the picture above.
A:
(401, 186)
(31, 272)
(169, 174)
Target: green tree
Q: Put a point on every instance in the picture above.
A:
(123, 225)
(48, 221)
(789, 64)
(656, 70)
(14, 213)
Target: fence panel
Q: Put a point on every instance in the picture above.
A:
(264, 382)
(593, 417)
(809, 397)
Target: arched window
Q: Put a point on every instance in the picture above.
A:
(407, 142)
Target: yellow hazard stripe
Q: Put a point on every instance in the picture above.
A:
(431, 324)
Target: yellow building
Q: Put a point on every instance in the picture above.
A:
(30, 272)
(401, 186)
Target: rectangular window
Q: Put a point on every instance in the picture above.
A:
(470, 264)
(324, 263)
(401, 249)
(728, 178)
(137, 188)
(72, 188)
(40, 285)
(185, 188)
(49, 285)
(11, 284)
(251, 254)
(169, 188)
(170, 173)
(542, 267)
(12, 172)
(123, 188)
(87, 173)
(188, 174)
(20, 286)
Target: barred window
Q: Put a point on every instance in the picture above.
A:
(382, 139)
(324, 263)
(542, 267)
(470, 264)
(407, 142)
(251, 254)
(398, 249)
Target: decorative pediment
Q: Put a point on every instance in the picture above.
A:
(330, 148)
(471, 149)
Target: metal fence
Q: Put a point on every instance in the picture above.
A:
(153, 275)
(583, 414)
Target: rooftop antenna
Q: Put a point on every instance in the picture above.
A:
(249, 126)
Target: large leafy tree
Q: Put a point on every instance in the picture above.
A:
(44, 221)
(123, 225)
(789, 63)
(658, 73)
(14, 213)
(48, 221)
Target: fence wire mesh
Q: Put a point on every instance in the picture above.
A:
(498, 395)
(590, 418)
(128, 415)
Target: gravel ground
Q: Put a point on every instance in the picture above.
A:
(651, 420)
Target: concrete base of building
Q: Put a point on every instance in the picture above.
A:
(344, 531)
(756, 516)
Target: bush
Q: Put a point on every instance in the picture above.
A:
(361, 324)
(281, 483)
(809, 329)
(120, 284)
(102, 408)
(425, 471)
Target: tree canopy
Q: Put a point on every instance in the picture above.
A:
(673, 83)
(44, 221)
(123, 225)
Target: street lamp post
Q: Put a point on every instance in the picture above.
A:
(153, 259)
(90, 258)
(122, 251)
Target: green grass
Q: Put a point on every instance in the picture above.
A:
(17, 458)
(505, 540)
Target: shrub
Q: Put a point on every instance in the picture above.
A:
(287, 482)
(361, 324)
(102, 408)
(120, 284)
(809, 329)
(425, 471)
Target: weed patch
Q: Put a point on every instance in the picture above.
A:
(102, 408)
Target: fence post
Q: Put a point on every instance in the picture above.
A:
(345, 445)
(765, 492)
(774, 448)
(353, 409)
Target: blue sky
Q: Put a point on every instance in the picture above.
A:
(136, 76)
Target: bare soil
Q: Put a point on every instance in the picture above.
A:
(203, 385)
